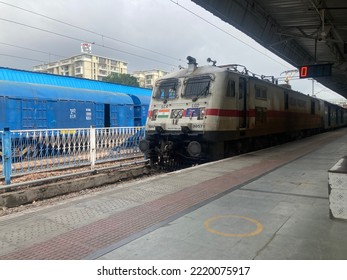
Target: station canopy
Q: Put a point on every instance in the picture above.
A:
(302, 32)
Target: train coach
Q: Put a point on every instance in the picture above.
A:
(31, 100)
(209, 112)
(29, 106)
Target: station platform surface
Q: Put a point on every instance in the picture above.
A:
(267, 204)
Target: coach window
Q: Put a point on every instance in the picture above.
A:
(231, 88)
(260, 92)
(166, 89)
(342, 116)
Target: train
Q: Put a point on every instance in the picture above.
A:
(205, 113)
(31, 106)
(30, 100)
(38, 101)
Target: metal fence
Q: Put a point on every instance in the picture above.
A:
(28, 151)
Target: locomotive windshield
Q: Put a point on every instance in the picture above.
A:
(166, 89)
(197, 86)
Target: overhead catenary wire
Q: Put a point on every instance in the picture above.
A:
(124, 42)
(21, 57)
(231, 35)
(83, 40)
(33, 50)
(228, 33)
(103, 36)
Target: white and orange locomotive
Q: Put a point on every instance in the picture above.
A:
(209, 112)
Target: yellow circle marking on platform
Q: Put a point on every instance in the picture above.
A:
(258, 230)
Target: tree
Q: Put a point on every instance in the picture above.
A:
(124, 79)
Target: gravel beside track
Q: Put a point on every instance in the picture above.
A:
(74, 170)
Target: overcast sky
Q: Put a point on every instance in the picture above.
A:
(147, 34)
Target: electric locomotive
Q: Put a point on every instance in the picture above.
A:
(210, 112)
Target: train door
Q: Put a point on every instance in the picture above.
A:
(286, 101)
(99, 115)
(34, 114)
(12, 114)
(107, 117)
(329, 116)
(313, 107)
(242, 103)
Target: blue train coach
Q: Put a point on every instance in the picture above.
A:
(29, 106)
(30, 100)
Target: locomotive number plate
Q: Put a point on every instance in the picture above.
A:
(198, 126)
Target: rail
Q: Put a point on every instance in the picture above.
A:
(29, 151)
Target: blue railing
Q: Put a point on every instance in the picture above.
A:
(28, 151)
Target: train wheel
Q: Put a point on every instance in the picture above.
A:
(153, 158)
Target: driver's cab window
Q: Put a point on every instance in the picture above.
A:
(166, 89)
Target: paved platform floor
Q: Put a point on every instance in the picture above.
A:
(269, 204)
(290, 204)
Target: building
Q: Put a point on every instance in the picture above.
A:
(85, 65)
(148, 78)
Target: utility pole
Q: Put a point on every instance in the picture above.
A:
(313, 88)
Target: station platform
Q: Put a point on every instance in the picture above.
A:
(268, 204)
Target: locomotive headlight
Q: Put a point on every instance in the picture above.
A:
(201, 113)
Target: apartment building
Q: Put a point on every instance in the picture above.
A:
(84, 65)
(148, 78)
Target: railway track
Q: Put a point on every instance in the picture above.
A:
(142, 170)
(47, 187)
(33, 175)
(31, 188)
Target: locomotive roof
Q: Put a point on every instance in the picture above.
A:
(23, 76)
(206, 69)
(211, 69)
(48, 92)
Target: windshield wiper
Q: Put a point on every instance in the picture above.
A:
(204, 91)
